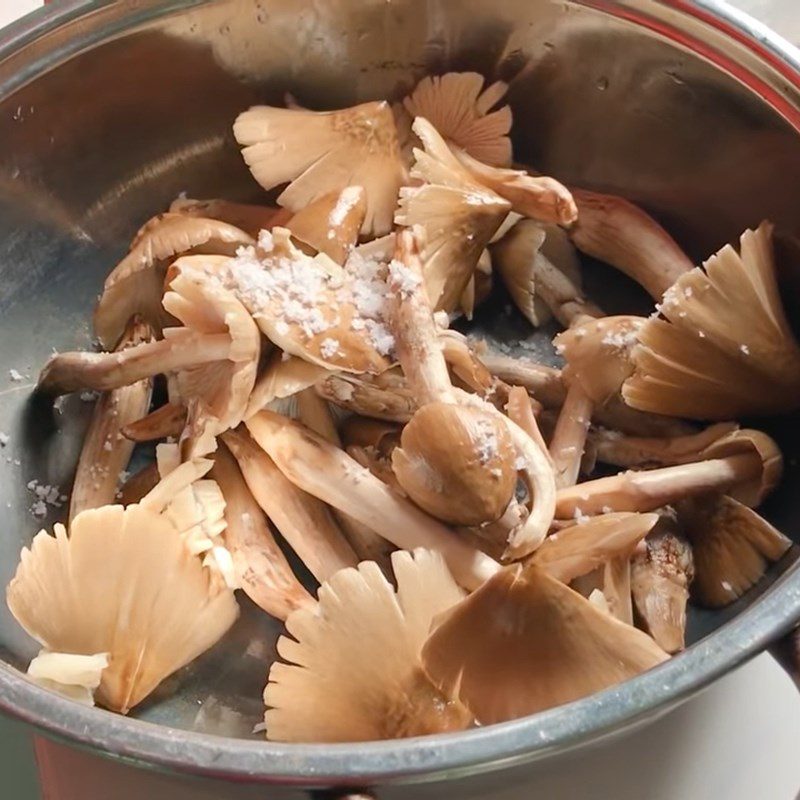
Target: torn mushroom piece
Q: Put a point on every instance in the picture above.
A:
(541, 271)
(660, 578)
(722, 347)
(350, 669)
(331, 223)
(459, 217)
(261, 568)
(282, 376)
(394, 403)
(303, 521)
(310, 307)
(328, 473)
(136, 284)
(252, 219)
(746, 464)
(322, 152)
(456, 444)
(540, 645)
(74, 676)
(620, 233)
(460, 108)
(732, 547)
(120, 570)
(106, 451)
(166, 421)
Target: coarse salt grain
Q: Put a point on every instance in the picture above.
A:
(15, 376)
(726, 586)
(580, 517)
(745, 349)
(486, 442)
(329, 347)
(4, 439)
(403, 279)
(344, 205)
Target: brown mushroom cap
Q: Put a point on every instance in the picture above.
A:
(732, 547)
(252, 219)
(459, 107)
(723, 348)
(136, 284)
(540, 644)
(323, 152)
(120, 570)
(353, 671)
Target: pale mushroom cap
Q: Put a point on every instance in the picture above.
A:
(459, 107)
(598, 353)
(136, 284)
(732, 547)
(723, 348)
(524, 642)
(353, 671)
(120, 570)
(322, 152)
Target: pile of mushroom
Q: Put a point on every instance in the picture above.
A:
(478, 557)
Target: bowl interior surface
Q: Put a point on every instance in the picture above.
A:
(115, 116)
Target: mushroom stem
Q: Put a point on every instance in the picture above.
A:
(569, 437)
(106, 452)
(617, 587)
(416, 340)
(651, 489)
(314, 413)
(302, 519)
(70, 372)
(167, 420)
(616, 231)
(262, 569)
(139, 484)
(519, 408)
(393, 403)
(319, 468)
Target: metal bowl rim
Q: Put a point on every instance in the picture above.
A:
(547, 733)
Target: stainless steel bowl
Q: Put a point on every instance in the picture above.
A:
(109, 109)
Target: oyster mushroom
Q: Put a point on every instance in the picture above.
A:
(326, 472)
(106, 452)
(252, 219)
(213, 356)
(457, 445)
(353, 670)
(459, 107)
(331, 223)
(660, 580)
(459, 217)
(136, 284)
(746, 463)
(541, 644)
(732, 547)
(327, 151)
(302, 519)
(542, 274)
(167, 420)
(120, 570)
(726, 316)
(620, 233)
(580, 549)
(613, 447)
(261, 568)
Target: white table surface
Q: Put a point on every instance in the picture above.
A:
(739, 740)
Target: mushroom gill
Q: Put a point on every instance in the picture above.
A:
(120, 569)
(722, 347)
(326, 151)
(350, 669)
(540, 645)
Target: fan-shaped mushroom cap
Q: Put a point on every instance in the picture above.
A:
(540, 645)
(251, 219)
(458, 215)
(331, 223)
(458, 106)
(310, 307)
(353, 671)
(136, 284)
(660, 578)
(598, 353)
(541, 271)
(326, 151)
(579, 549)
(620, 233)
(724, 348)
(732, 547)
(261, 568)
(123, 583)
